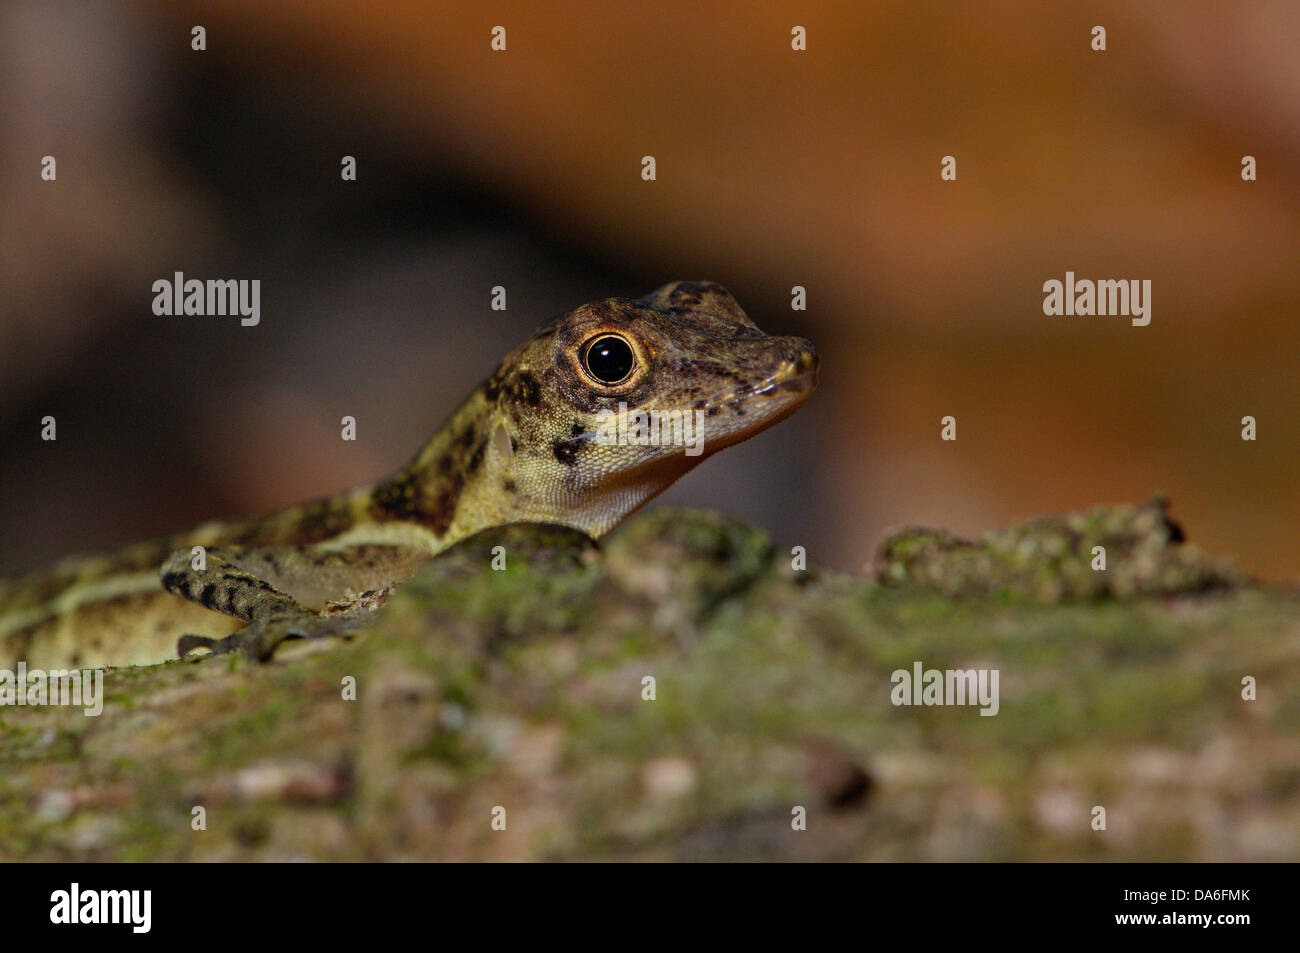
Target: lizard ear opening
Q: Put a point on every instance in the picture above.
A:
(503, 443)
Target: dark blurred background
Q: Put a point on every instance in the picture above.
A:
(775, 169)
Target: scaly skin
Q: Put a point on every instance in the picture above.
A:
(521, 448)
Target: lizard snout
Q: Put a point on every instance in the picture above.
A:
(799, 360)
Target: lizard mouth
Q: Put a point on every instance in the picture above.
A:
(796, 377)
(769, 402)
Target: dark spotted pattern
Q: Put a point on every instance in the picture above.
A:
(299, 526)
(515, 386)
(407, 498)
(235, 591)
(476, 458)
(443, 508)
(566, 451)
(397, 499)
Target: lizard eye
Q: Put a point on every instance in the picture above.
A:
(608, 359)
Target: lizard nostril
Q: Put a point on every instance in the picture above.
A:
(803, 355)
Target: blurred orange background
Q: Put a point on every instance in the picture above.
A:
(775, 168)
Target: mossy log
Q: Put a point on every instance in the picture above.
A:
(684, 691)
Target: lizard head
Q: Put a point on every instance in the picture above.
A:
(607, 405)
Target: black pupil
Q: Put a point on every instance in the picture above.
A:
(609, 360)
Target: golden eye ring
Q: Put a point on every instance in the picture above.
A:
(609, 359)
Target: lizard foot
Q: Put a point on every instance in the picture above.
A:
(259, 639)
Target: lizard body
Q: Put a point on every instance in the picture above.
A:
(522, 447)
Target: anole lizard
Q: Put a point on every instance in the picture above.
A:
(523, 447)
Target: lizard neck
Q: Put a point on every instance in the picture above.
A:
(428, 492)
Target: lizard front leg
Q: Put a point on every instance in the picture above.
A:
(230, 583)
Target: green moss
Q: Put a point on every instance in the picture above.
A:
(522, 688)
(1110, 551)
